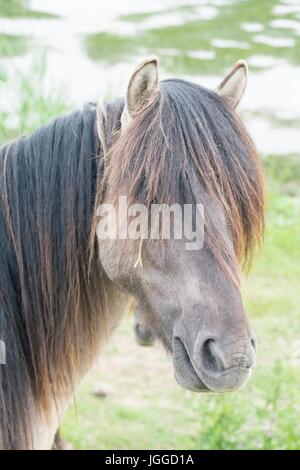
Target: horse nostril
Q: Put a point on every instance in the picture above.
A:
(217, 357)
(211, 359)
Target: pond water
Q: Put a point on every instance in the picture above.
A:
(91, 47)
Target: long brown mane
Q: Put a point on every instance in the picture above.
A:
(51, 304)
(187, 133)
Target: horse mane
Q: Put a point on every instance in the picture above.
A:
(189, 134)
(51, 300)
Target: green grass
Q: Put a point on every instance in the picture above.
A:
(11, 45)
(198, 35)
(142, 406)
(36, 105)
(109, 46)
(20, 9)
(138, 17)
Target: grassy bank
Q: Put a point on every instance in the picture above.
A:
(203, 41)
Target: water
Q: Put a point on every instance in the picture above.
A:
(93, 46)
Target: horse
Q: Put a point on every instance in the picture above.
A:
(64, 288)
(143, 332)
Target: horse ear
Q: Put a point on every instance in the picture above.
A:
(142, 86)
(233, 86)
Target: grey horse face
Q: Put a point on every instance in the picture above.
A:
(188, 303)
(187, 300)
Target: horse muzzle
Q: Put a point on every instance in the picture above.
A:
(213, 369)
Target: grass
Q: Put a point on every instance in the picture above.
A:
(199, 35)
(11, 45)
(109, 46)
(20, 9)
(36, 105)
(138, 17)
(140, 406)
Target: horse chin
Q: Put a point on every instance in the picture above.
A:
(185, 373)
(191, 382)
